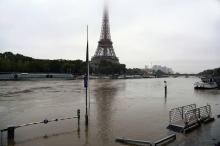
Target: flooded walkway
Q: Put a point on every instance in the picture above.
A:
(135, 108)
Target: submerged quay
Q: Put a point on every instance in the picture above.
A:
(66, 76)
(133, 108)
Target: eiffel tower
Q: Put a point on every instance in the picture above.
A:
(105, 49)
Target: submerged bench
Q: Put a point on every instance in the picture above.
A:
(162, 141)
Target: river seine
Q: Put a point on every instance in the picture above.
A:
(129, 108)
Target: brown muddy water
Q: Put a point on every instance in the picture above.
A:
(133, 108)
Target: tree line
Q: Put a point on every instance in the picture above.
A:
(11, 63)
(213, 72)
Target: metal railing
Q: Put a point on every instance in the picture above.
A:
(11, 129)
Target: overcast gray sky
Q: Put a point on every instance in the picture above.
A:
(181, 34)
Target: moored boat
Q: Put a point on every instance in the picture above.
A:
(206, 83)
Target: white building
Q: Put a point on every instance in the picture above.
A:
(163, 69)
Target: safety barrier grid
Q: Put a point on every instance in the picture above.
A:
(184, 119)
(177, 114)
(198, 115)
(191, 117)
(11, 129)
(205, 112)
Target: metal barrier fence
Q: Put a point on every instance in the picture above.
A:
(198, 114)
(189, 115)
(188, 107)
(177, 114)
(192, 116)
(205, 112)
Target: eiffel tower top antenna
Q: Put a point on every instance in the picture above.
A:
(105, 49)
(105, 32)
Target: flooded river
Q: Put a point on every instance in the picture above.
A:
(132, 108)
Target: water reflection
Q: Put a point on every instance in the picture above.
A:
(46, 136)
(104, 95)
(86, 136)
(165, 99)
(207, 92)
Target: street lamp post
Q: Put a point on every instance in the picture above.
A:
(86, 80)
